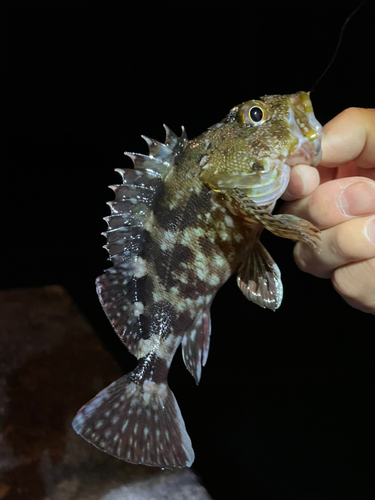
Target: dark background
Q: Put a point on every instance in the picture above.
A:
(285, 408)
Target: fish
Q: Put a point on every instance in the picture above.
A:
(184, 219)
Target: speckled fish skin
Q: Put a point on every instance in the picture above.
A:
(184, 220)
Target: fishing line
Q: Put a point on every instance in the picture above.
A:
(339, 42)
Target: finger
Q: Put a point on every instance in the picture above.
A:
(335, 202)
(356, 284)
(352, 241)
(350, 136)
(347, 170)
(326, 174)
(303, 181)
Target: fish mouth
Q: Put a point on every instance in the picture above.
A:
(307, 130)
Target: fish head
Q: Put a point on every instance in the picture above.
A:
(254, 147)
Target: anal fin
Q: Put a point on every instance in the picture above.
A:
(259, 278)
(196, 344)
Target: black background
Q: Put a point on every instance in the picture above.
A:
(285, 408)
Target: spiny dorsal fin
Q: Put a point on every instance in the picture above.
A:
(171, 139)
(122, 289)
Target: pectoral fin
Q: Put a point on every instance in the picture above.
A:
(283, 225)
(293, 228)
(259, 279)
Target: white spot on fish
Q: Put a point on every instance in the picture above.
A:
(208, 299)
(198, 231)
(228, 221)
(214, 279)
(139, 268)
(138, 308)
(203, 161)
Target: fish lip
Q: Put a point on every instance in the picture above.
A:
(309, 149)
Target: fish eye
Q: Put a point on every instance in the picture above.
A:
(253, 113)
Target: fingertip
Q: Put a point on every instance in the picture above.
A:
(303, 181)
(348, 137)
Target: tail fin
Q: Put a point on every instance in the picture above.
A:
(141, 424)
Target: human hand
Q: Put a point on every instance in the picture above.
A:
(339, 198)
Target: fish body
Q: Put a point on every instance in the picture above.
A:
(184, 220)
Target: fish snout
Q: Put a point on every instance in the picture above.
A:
(308, 131)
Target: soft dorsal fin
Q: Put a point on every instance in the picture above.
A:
(121, 288)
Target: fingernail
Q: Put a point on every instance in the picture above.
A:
(370, 230)
(357, 199)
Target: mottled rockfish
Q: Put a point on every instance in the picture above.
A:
(186, 218)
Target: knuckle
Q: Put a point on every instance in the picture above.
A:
(319, 207)
(351, 112)
(340, 244)
(352, 109)
(310, 262)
